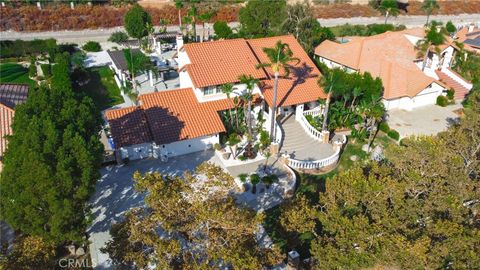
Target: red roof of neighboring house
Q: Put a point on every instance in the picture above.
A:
(128, 126)
(390, 56)
(219, 62)
(470, 40)
(11, 95)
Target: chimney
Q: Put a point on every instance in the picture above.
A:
(293, 261)
(179, 42)
(470, 28)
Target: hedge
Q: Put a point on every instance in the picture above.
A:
(384, 127)
(17, 48)
(394, 134)
(92, 46)
(442, 101)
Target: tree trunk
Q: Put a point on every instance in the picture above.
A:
(180, 19)
(249, 118)
(424, 64)
(386, 17)
(371, 136)
(428, 17)
(274, 108)
(194, 29)
(325, 113)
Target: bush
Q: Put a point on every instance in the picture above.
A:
(217, 147)
(384, 127)
(243, 177)
(92, 46)
(18, 48)
(394, 134)
(450, 93)
(46, 69)
(222, 30)
(118, 37)
(442, 101)
(254, 179)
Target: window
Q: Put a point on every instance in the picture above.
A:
(210, 90)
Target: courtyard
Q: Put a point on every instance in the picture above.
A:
(426, 120)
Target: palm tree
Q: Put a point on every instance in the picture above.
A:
(389, 8)
(193, 16)
(432, 39)
(329, 83)
(428, 6)
(279, 56)
(227, 89)
(179, 6)
(373, 111)
(250, 83)
(205, 17)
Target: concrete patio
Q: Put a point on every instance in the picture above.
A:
(299, 145)
(427, 120)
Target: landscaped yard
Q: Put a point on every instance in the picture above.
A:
(101, 87)
(14, 73)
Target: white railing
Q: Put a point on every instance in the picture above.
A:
(317, 164)
(309, 129)
(457, 78)
(313, 112)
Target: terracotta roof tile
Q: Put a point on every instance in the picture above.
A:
(389, 56)
(301, 84)
(219, 62)
(128, 126)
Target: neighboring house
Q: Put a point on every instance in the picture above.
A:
(186, 120)
(11, 95)
(470, 37)
(393, 57)
(119, 65)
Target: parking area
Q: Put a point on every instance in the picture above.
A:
(115, 194)
(427, 120)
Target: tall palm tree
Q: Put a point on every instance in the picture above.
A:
(373, 112)
(329, 83)
(280, 57)
(179, 6)
(227, 89)
(250, 83)
(389, 8)
(205, 17)
(428, 6)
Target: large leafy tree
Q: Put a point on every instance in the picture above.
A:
(389, 8)
(280, 58)
(136, 22)
(52, 162)
(262, 18)
(191, 223)
(301, 23)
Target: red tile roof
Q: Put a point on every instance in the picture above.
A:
(177, 115)
(128, 126)
(301, 84)
(6, 116)
(11, 95)
(219, 62)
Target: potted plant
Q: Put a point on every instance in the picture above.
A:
(232, 142)
(254, 179)
(267, 181)
(243, 179)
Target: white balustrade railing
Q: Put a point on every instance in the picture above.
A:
(317, 164)
(309, 129)
(313, 112)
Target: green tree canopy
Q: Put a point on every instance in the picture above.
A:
(52, 161)
(136, 20)
(222, 30)
(202, 214)
(262, 18)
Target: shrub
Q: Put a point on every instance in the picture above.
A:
(242, 158)
(217, 147)
(442, 101)
(254, 179)
(384, 127)
(32, 70)
(18, 48)
(46, 69)
(243, 177)
(118, 37)
(222, 30)
(394, 134)
(92, 46)
(450, 93)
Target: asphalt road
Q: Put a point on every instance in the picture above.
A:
(101, 35)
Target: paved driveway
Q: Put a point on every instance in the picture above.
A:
(427, 120)
(114, 195)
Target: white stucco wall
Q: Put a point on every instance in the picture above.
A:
(137, 151)
(428, 96)
(332, 64)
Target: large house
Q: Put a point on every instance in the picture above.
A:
(470, 37)
(409, 80)
(185, 120)
(11, 95)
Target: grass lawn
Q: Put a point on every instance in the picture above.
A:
(15, 73)
(101, 87)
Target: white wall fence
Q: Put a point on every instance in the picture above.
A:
(457, 78)
(278, 130)
(315, 134)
